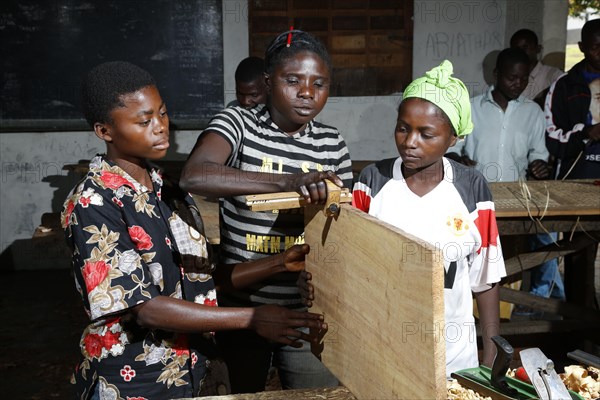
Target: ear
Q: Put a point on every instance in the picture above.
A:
(453, 140)
(539, 48)
(580, 44)
(267, 82)
(103, 132)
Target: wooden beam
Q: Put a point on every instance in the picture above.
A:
(544, 326)
(337, 393)
(549, 305)
(525, 261)
(382, 296)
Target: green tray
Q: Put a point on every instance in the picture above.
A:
(525, 390)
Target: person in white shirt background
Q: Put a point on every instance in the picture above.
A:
(541, 76)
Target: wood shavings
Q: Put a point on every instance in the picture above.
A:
(458, 392)
(584, 381)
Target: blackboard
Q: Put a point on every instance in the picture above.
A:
(48, 46)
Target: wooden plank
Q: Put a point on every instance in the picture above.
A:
(337, 393)
(209, 210)
(564, 247)
(382, 295)
(548, 198)
(553, 306)
(543, 326)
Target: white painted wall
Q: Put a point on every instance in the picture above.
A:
(33, 181)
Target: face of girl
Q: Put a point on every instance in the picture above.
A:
(140, 129)
(298, 90)
(422, 134)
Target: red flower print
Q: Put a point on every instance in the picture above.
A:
(209, 302)
(69, 210)
(168, 241)
(94, 273)
(94, 343)
(127, 373)
(114, 181)
(142, 240)
(85, 201)
(194, 359)
(117, 202)
(181, 346)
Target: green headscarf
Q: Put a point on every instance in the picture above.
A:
(448, 93)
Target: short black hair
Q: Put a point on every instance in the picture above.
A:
(590, 28)
(526, 34)
(509, 57)
(250, 69)
(105, 84)
(300, 41)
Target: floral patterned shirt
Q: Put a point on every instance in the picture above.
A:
(127, 249)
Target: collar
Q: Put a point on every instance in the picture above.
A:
(397, 170)
(487, 96)
(114, 177)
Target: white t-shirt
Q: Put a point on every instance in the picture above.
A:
(458, 218)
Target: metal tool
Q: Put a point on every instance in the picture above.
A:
(544, 378)
(286, 200)
(584, 358)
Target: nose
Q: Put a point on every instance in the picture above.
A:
(411, 140)
(306, 91)
(160, 125)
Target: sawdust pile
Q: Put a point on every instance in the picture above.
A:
(584, 381)
(458, 392)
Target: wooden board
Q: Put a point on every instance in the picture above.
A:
(209, 211)
(563, 198)
(382, 296)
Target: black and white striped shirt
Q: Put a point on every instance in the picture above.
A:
(259, 145)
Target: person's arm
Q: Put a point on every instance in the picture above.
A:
(564, 137)
(488, 304)
(235, 276)
(538, 155)
(206, 173)
(269, 321)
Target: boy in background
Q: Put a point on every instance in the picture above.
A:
(541, 76)
(250, 89)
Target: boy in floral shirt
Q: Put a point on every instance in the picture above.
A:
(141, 263)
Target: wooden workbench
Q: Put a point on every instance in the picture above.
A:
(571, 207)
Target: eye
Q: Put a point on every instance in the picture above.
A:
(145, 123)
(163, 113)
(401, 129)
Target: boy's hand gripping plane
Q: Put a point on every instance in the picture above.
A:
(286, 200)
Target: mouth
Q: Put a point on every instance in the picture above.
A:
(304, 110)
(409, 157)
(162, 145)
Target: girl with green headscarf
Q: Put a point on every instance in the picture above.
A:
(445, 204)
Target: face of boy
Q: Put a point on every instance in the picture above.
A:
(511, 80)
(140, 129)
(422, 134)
(298, 88)
(590, 47)
(531, 49)
(250, 94)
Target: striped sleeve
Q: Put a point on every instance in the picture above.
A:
(229, 124)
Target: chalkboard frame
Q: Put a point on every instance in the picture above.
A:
(179, 43)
